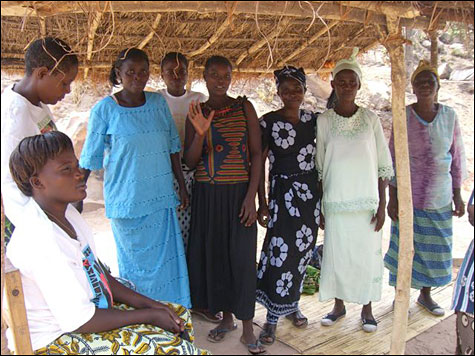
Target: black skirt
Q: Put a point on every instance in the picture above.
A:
(294, 205)
(221, 251)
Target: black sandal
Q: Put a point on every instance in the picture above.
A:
(298, 319)
(267, 333)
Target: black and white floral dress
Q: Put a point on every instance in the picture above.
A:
(294, 206)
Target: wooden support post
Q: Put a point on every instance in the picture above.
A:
(16, 316)
(394, 44)
(434, 48)
(97, 16)
(5, 350)
(434, 53)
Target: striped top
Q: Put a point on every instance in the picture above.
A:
(225, 157)
(463, 292)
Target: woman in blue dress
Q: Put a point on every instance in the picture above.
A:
(132, 135)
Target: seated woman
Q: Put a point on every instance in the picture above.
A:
(69, 296)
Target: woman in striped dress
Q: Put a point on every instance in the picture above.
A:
(437, 171)
(223, 142)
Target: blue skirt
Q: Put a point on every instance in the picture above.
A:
(150, 254)
(432, 264)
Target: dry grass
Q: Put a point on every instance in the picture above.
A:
(188, 31)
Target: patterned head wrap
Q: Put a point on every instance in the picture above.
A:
(423, 67)
(350, 64)
(290, 72)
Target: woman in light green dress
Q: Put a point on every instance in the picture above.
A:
(354, 164)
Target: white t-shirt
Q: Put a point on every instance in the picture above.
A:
(20, 119)
(179, 108)
(62, 280)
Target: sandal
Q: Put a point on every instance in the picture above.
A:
(369, 325)
(434, 309)
(208, 316)
(252, 347)
(298, 319)
(217, 334)
(330, 319)
(267, 335)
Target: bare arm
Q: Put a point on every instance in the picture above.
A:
(178, 172)
(380, 215)
(393, 205)
(248, 213)
(148, 312)
(263, 211)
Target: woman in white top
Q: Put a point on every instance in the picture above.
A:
(69, 296)
(354, 164)
(50, 68)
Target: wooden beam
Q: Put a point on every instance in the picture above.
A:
(216, 35)
(308, 42)
(328, 11)
(258, 45)
(151, 33)
(96, 19)
(386, 8)
(395, 46)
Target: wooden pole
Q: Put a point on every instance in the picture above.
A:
(394, 44)
(5, 350)
(96, 20)
(434, 52)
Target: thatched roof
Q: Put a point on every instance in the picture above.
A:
(256, 36)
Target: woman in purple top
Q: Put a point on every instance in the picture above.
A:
(437, 162)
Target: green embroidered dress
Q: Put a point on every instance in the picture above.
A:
(352, 154)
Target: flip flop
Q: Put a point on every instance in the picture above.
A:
(217, 335)
(298, 319)
(206, 316)
(257, 345)
(435, 309)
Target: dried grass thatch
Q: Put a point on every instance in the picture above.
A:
(256, 36)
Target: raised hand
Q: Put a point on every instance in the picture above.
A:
(198, 120)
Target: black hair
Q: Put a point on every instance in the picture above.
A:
(32, 154)
(47, 52)
(174, 56)
(128, 53)
(218, 60)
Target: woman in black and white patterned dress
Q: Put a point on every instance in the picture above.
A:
(293, 213)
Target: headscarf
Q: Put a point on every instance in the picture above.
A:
(290, 72)
(350, 64)
(422, 67)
